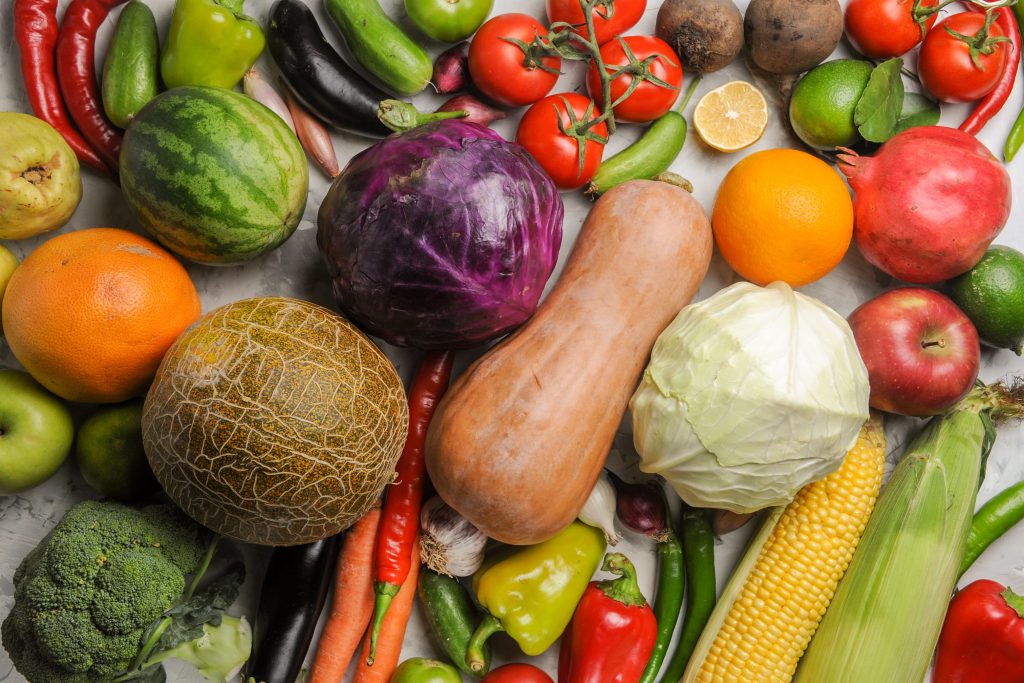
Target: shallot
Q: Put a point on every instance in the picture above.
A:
(314, 137)
(264, 93)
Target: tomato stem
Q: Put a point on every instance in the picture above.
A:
(980, 43)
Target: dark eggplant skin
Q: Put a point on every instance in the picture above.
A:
(293, 595)
(321, 80)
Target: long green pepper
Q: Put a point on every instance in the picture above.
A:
(1015, 139)
(650, 155)
(699, 560)
(667, 603)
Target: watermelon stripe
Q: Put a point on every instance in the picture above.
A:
(213, 175)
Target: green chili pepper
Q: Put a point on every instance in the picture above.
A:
(992, 521)
(667, 603)
(210, 42)
(1015, 139)
(649, 156)
(699, 560)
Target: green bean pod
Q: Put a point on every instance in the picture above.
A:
(993, 520)
(699, 560)
(667, 602)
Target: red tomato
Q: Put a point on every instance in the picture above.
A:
(945, 66)
(556, 152)
(502, 70)
(649, 100)
(887, 28)
(611, 18)
(517, 673)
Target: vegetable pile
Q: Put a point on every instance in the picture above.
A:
(471, 483)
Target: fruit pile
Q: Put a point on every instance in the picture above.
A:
(404, 488)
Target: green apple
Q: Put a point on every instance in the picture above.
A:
(40, 181)
(419, 670)
(35, 432)
(110, 454)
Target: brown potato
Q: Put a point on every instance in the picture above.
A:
(706, 34)
(791, 36)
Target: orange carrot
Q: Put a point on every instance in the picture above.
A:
(352, 604)
(392, 633)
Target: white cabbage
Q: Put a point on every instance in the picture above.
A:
(750, 395)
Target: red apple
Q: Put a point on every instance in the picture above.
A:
(921, 351)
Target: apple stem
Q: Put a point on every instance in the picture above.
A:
(941, 343)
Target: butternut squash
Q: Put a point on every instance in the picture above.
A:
(521, 437)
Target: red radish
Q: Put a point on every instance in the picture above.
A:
(928, 204)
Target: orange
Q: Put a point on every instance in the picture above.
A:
(91, 313)
(782, 214)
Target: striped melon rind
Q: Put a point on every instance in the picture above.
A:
(213, 175)
(275, 421)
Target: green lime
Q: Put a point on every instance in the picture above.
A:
(110, 454)
(992, 295)
(821, 109)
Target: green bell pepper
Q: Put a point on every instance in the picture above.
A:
(210, 42)
(531, 592)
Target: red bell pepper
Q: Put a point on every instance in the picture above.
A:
(982, 639)
(612, 633)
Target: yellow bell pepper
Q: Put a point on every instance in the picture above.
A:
(531, 592)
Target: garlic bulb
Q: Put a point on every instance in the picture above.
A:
(599, 510)
(450, 544)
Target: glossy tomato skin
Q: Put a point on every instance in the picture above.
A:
(557, 153)
(649, 100)
(498, 67)
(448, 20)
(881, 29)
(625, 14)
(945, 66)
(517, 673)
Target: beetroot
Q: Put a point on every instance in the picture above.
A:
(928, 204)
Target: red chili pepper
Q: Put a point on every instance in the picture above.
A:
(400, 518)
(612, 633)
(990, 105)
(982, 639)
(35, 28)
(76, 70)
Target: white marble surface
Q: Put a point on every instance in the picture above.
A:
(295, 270)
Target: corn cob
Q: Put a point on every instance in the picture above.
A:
(780, 590)
(887, 612)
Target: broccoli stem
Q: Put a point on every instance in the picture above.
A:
(147, 648)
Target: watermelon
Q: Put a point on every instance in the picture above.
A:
(213, 175)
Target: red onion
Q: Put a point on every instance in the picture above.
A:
(642, 507)
(476, 111)
(451, 70)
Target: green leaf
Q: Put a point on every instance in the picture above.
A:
(918, 110)
(206, 606)
(878, 109)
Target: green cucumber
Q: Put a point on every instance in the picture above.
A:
(451, 615)
(380, 46)
(132, 65)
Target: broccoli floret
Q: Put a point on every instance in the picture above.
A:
(86, 594)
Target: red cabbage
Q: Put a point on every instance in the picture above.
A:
(440, 237)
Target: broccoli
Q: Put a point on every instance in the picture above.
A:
(99, 589)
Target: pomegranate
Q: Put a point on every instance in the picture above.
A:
(928, 204)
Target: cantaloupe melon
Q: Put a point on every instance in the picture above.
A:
(274, 421)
